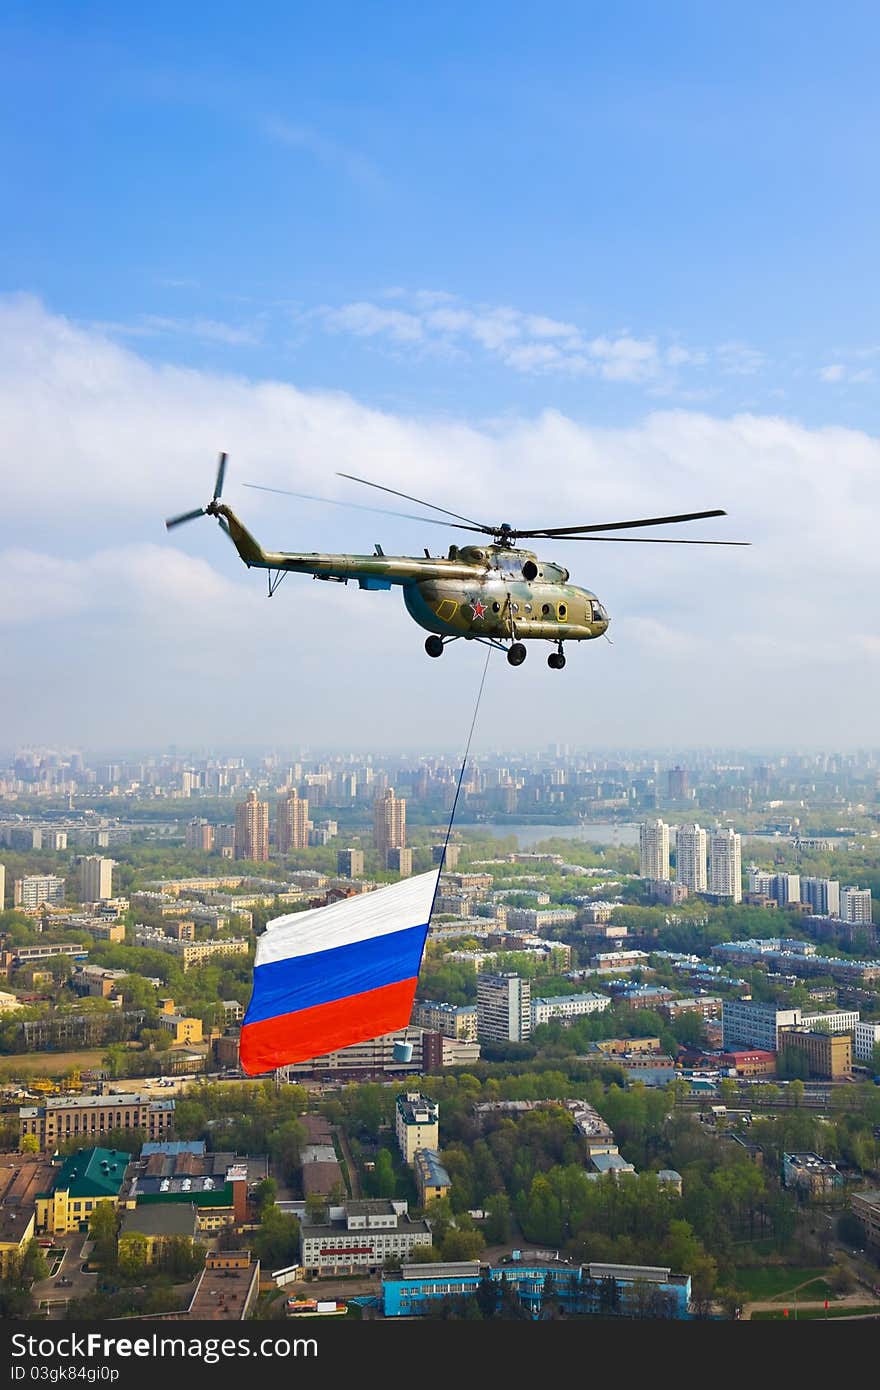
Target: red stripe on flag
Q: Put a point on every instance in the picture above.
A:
(298, 1037)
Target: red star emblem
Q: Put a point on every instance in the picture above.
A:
(479, 609)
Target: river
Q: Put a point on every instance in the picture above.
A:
(596, 832)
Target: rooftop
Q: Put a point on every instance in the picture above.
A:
(92, 1173)
(22, 1178)
(222, 1294)
(162, 1220)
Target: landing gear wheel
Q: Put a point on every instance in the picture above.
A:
(556, 661)
(516, 654)
(434, 645)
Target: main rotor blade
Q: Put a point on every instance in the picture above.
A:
(185, 516)
(619, 525)
(478, 525)
(358, 507)
(641, 540)
(221, 474)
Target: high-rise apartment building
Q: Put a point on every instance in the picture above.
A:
(350, 862)
(654, 849)
(855, 904)
(95, 878)
(782, 888)
(450, 861)
(252, 828)
(389, 823)
(725, 864)
(677, 783)
(292, 822)
(399, 861)
(504, 1008)
(33, 890)
(823, 895)
(690, 857)
(199, 835)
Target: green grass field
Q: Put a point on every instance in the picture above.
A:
(18, 1066)
(769, 1281)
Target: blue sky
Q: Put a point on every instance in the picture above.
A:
(481, 249)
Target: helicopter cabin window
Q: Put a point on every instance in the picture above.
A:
(496, 607)
(562, 611)
(545, 609)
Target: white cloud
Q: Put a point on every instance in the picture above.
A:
(839, 371)
(171, 633)
(326, 150)
(530, 343)
(368, 320)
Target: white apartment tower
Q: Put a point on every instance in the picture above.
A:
(504, 1008)
(823, 895)
(95, 878)
(725, 864)
(654, 849)
(855, 904)
(690, 857)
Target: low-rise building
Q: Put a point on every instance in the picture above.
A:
(87, 1179)
(91, 1117)
(866, 1036)
(810, 1173)
(361, 1239)
(706, 1005)
(227, 1289)
(451, 1020)
(183, 1174)
(432, 1179)
(828, 1055)
(22, 1178)
(416, 1124)
(189, 953)
(866, 1207)
(630, 1290)
(183, 1030)
(155, 1227)
(567, 1006)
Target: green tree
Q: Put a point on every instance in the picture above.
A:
(276, 1242)
(264, 1194)
(498, 1219)
(133, 1256)
(33, 1266)
(103, 1229)
(383, 1176)
(487, 1295)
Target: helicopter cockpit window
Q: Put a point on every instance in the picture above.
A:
(599, 614)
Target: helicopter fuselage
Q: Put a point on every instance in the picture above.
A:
(493, 591)
(513, 595)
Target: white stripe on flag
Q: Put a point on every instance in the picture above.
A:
(400, 905)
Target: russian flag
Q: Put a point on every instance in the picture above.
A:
(336, 975)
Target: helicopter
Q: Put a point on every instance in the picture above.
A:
(492, 592)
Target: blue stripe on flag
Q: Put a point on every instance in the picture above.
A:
(300, 982)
